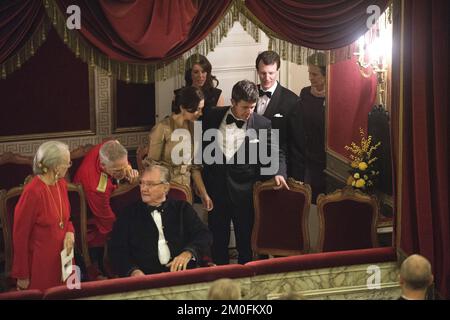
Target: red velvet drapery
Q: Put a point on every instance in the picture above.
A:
(315, 24)
(18, 20)
(421, 130)
(143, 31)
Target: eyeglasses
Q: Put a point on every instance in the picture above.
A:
(148, 184)
(120, 170)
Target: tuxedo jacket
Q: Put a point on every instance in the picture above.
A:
(227, 181)
(281, 106)
(134, 239)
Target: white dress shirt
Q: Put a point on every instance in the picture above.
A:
(232, 136)
(163, 248)
(264, 101)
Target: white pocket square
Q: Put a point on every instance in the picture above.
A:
(254, 141)
(278, 115)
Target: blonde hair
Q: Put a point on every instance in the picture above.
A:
(49, 155)
(224, 289)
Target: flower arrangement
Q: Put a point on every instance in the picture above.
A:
(363, 173)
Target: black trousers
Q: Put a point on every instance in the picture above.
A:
(219, 224)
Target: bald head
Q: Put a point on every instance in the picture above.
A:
(416, 272)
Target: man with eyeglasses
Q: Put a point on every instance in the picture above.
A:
(102, 168)
(157, 234)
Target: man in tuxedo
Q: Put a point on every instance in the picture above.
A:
(415, 277)
(277, 103)
(157, 234)
(232, 163)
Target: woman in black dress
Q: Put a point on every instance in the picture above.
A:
(307, 156)
(198, 74)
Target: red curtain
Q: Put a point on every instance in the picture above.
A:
(143, 31)
(18, 20)
(325, 24)
(421, 129)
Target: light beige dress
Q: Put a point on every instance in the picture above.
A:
(161, 146)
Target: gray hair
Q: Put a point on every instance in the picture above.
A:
(224, 289)
(165, 174)
(111, 151)
(49, 155)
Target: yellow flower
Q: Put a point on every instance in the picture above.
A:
(360, 183)
(356, 175)
(350, 180)
(354, 164)
(362, 166)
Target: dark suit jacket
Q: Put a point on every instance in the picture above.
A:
(296, 143)
(282, 102)
(134, 239)
(236, 180)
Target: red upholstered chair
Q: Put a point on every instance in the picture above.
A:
(8, 201)
(77, 156)
(281, 218)
(78, 213)
(124, 196)
(14, 168)
(22, 295)
(141, 153)
(180, 192)
(347, 220)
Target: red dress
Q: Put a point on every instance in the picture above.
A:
(98, 188)
(37, 236)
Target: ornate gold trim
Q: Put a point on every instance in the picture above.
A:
(295, 186)
(28, 50)
(10, 157)
(136, 72)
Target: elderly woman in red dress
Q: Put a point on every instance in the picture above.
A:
(41, 221)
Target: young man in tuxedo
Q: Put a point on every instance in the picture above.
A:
(276, 103)
(232, 162)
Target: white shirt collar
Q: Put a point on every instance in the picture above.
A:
(271, 89)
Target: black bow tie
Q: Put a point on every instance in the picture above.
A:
(231, 119)
(159, 208)
(265, 93)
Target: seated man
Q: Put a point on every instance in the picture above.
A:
(157, 234)
(415, 277)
